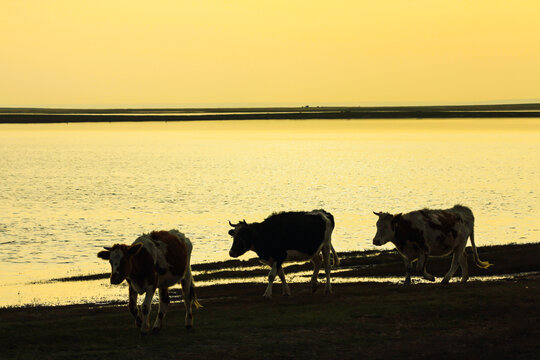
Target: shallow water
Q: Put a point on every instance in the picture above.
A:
(66, 190)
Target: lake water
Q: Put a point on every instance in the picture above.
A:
(67, 190)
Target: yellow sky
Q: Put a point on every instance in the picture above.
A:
(114, 53)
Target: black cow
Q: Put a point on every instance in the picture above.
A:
(288, 236)
(424, 233)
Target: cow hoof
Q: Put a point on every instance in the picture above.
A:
(445, 281)
(138, 322)
(144, 333)
(314, 287)
(464, 280)
(266, 296)
(189, 327)
(156, 330)
(429, 277)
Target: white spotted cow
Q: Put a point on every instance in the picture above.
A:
(423, 233)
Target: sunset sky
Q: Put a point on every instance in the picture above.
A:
(242, 52)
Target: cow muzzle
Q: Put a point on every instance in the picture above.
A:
(116, 279)
(377, 242)
(233, 254)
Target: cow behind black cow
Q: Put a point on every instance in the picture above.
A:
(420, 234)
(287, 236)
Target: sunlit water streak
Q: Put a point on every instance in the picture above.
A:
(66, 190)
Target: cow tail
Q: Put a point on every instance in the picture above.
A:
(335, 259)
(194, 295)
(477, 261)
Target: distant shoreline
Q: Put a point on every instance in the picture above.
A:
(46, 115)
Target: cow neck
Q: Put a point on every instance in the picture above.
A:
(405, 234)
(130, 273)
(401, 233)
(129, 270)
(257, 240)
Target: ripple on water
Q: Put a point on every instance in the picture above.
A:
(72, 192)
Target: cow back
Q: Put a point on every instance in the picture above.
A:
(173, 250)
(299, 231)
(436, 232)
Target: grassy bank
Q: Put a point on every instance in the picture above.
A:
(492, 320)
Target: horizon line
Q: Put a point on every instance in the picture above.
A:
(255, 105)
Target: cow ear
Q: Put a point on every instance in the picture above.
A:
(134, 249)
(231, 232)
(105, 255)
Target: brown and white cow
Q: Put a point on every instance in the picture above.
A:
(423, 233)
(154, 261)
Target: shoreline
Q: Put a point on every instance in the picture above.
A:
(362, 263)
(366, 319)
(356, 267)
(61, 115)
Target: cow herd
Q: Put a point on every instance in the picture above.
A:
(161, 259)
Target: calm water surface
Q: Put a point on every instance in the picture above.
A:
(66, 190)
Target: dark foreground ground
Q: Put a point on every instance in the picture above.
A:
(480, 320)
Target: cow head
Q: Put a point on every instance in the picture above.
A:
(386, 228)
(119, 257)
(242, 238)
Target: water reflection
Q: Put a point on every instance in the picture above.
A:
(69, 189)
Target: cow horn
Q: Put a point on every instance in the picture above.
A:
(107, 248)
(377, 213)
(233, 225)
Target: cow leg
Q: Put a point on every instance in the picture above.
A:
(317, 262)
(456, 258)
(408, 268)
(271, 276)
(164, 301)
(188, 299)
(132, 305)
(464, 267)
(146, 307)
(284, 286)
(422, 263)
(326, 260)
